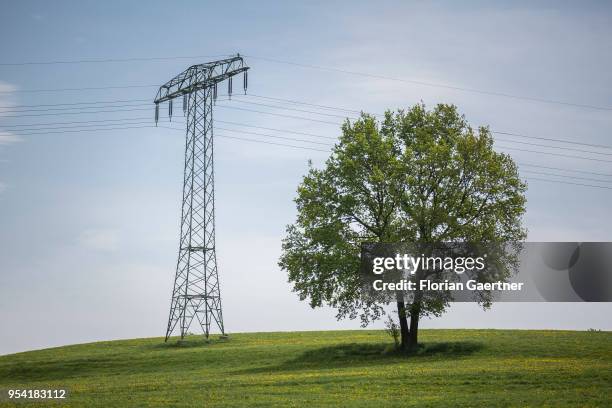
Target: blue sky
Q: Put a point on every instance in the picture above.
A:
(89, 219)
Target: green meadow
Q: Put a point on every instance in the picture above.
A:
(486, 368)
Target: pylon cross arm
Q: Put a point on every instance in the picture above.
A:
(200, 76)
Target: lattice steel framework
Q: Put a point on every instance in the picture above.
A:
(196, 293)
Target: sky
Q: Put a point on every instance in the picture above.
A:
(89, 211)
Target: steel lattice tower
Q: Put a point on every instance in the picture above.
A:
(196, 292)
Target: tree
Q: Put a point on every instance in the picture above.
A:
(419, 176)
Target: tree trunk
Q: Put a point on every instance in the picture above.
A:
(405, 334)
(415, 312)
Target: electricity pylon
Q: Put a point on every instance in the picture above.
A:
(196, 290)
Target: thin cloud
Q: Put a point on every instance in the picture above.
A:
(8, 138)
(6, 87)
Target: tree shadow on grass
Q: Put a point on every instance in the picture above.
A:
(363, 354)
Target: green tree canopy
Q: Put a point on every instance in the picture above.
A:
(418, 176)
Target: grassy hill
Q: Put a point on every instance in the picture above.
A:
(341, 368)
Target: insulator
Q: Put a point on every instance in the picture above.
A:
(245, 80)
(184, 104)
(156, 113)
(170, 110)
(215, 92)
(229, 87)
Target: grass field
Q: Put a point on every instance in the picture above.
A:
(341, 368)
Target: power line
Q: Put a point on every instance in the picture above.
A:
(338, 124)
(86, 130)
(93, 88)
(77, 103)
(296, 110)
(150, 106)
(72, 108)
(134, 121)
(554, 147)
(278, 130)
(315, 149)
(330, 107)
(273, 136)
(301, 103)
(315, 120)
(569, 182)
(78, 128)
(504, 133)
(260, 141)
(107, 60)
(182, 130)
(309, 66)
(564, 169)
(89, 102)
(431, 84)
(333, 138)
(334, 123)
(278, 114)
(556, 154)
(70, 123)
(325, 144)
(380, 115)
(273, 143)
(74, 113)
(552, 139)
(319, 113)
(326, 151)
(566, 176)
